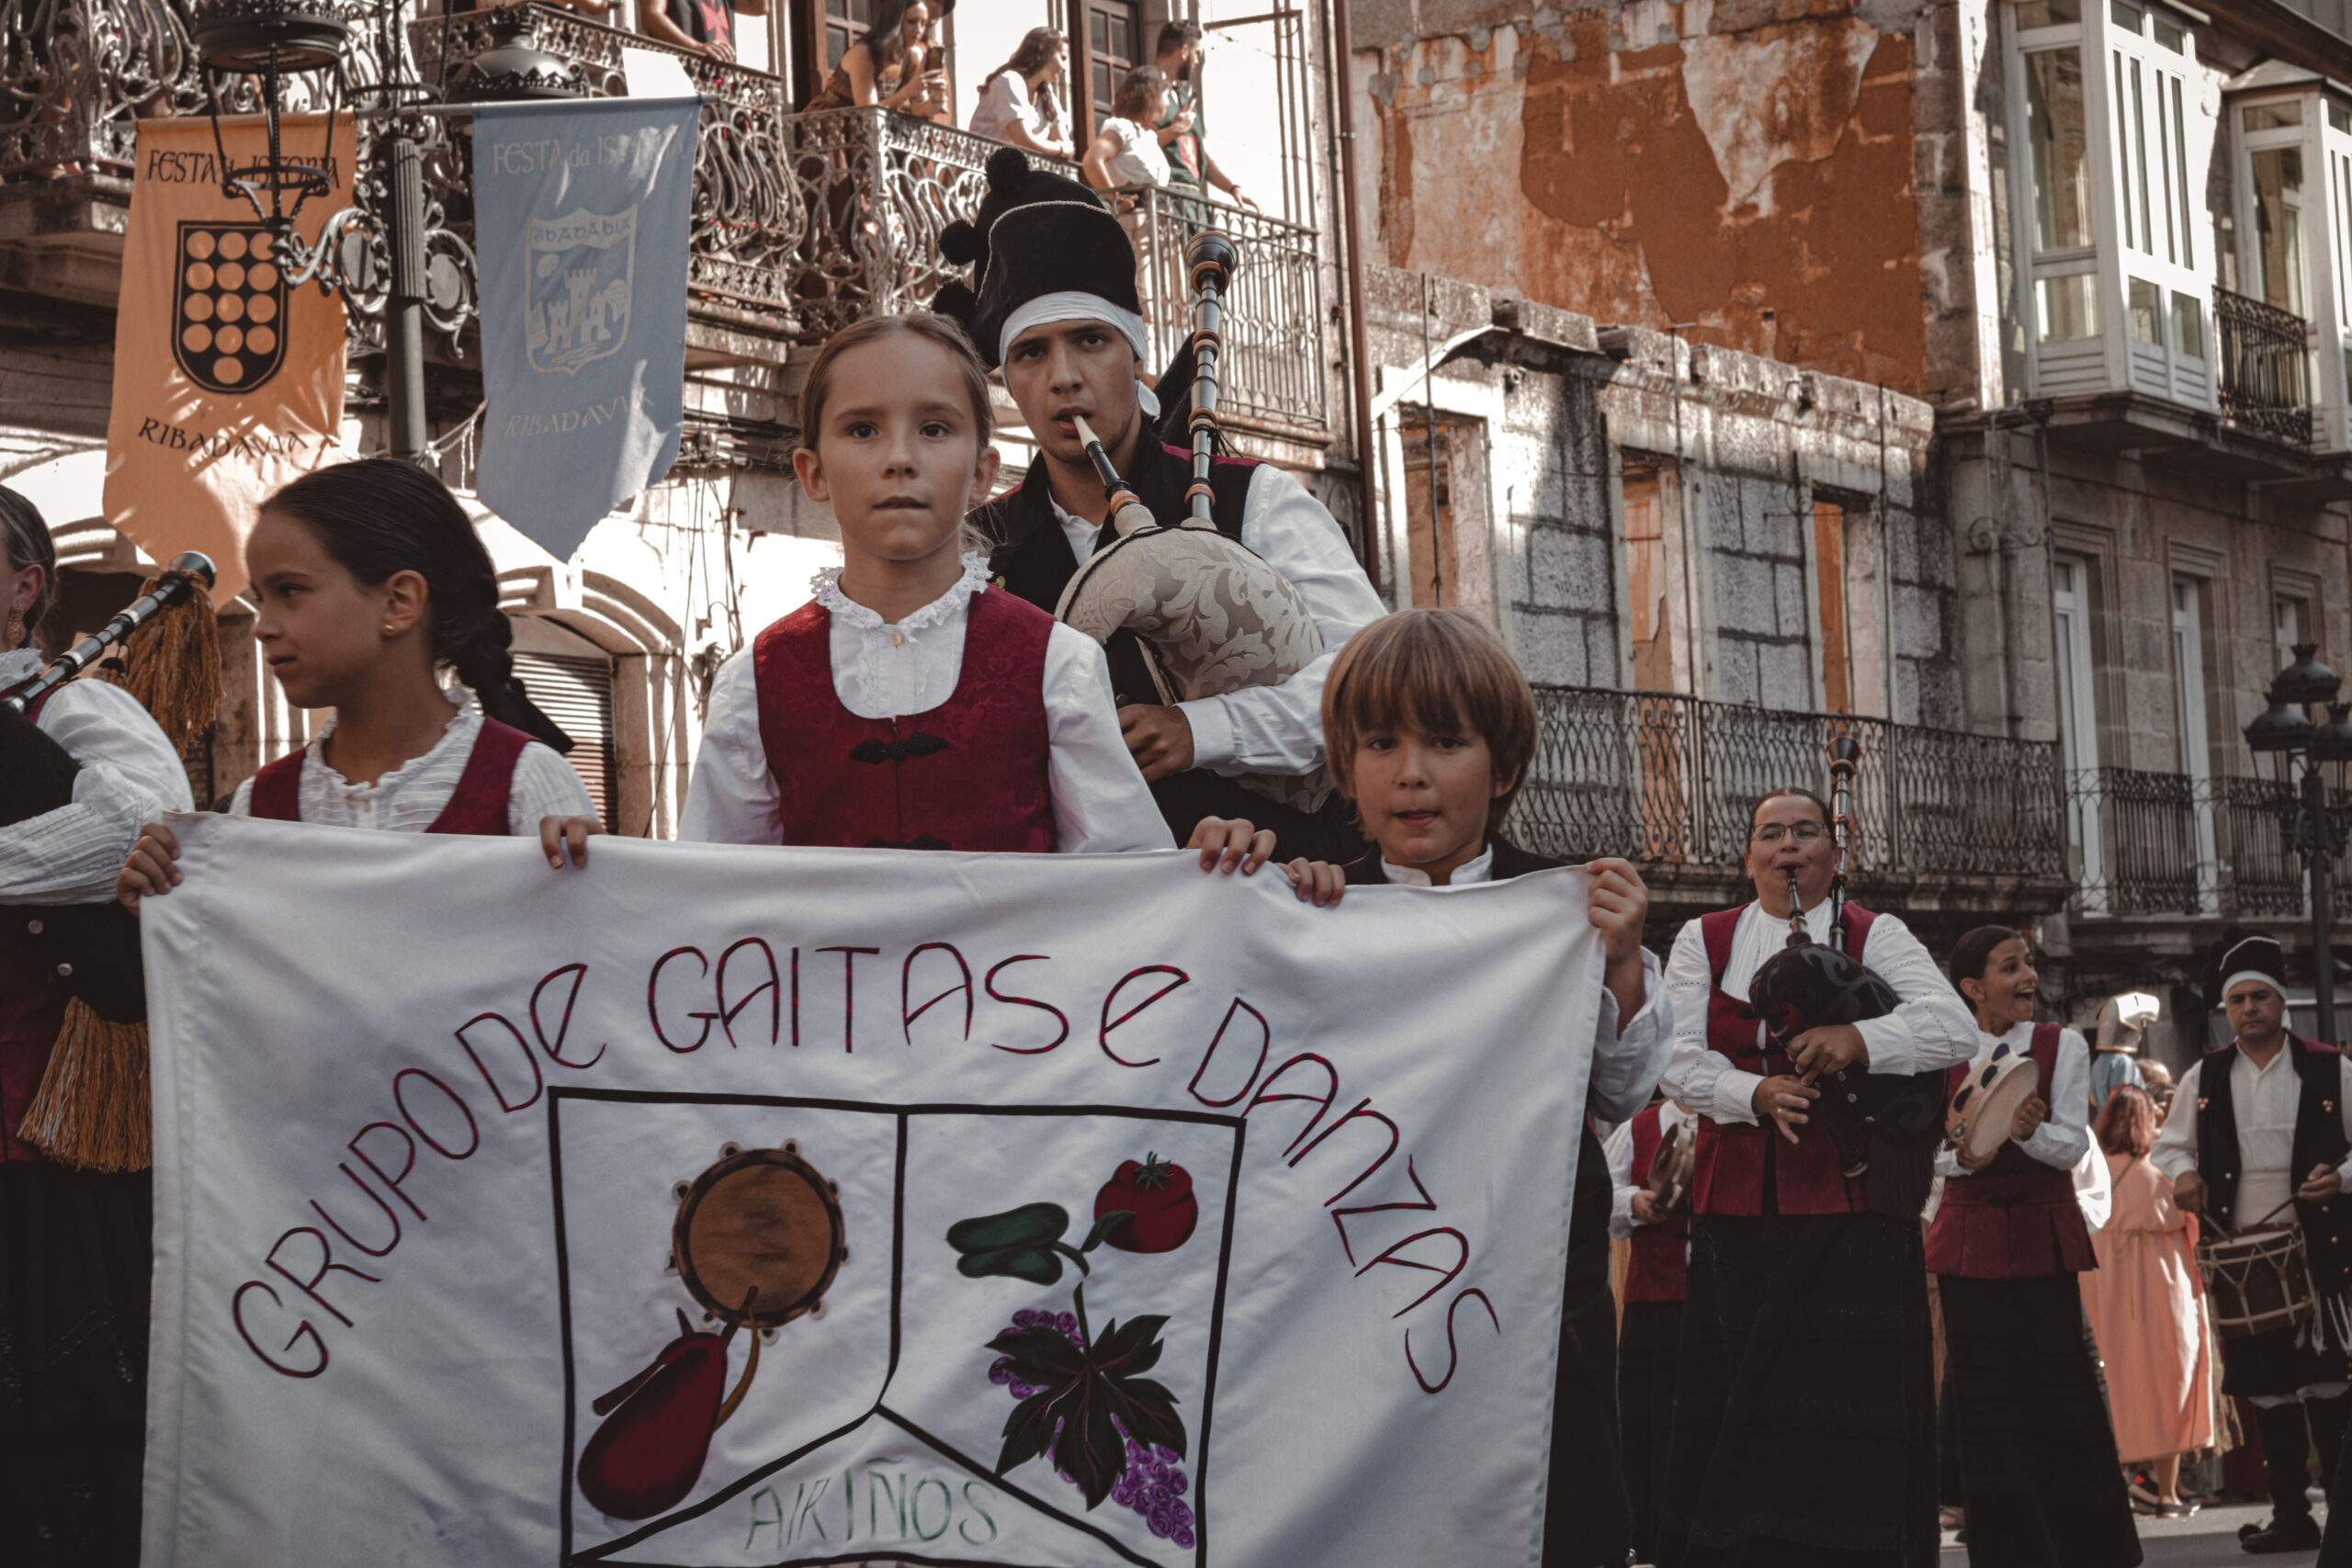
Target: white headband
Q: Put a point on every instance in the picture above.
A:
(1073, 305)
(2244, 974)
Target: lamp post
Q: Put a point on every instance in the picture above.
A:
(391, 254)
(2309, 752)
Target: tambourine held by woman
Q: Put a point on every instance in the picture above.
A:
(1984, 1107)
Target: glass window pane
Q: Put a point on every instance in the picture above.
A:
(2049, 12)
(2189, 325)
(2148, 312)
(2067, 308)
(2338, 116)
(2167, 35)
(2123, 147)
(2061, 150)
(2180, 145)
(2140, 158)
(2274, 116)
(2278, 226)
(2122, 16)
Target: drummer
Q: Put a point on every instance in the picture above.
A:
(2038, 1466)
(2272, 1128)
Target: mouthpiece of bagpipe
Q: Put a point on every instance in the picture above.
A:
(1211, 255)
(1128, 510)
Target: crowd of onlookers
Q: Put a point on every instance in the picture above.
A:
(1152, 136)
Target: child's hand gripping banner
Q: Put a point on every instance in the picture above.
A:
(724, 1206)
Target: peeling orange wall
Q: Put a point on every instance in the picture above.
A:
(1757, 182)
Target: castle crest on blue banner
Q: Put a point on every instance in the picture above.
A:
(583, 305)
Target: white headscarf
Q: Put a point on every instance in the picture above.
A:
(1074, 305)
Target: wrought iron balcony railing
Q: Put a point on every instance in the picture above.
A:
(802, 223)
(2266, 367)
(2147, 843)
(75, 74)
(1671, 781)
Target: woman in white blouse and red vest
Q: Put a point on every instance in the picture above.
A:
(2038, 1465)
(74, 1244)
(1804, 1409)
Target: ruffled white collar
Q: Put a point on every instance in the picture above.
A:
(826, 587)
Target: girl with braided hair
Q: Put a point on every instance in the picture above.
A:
(371, 579)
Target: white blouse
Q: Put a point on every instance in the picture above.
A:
(1933, 1027)
(408, 798)
(1139, 161)
(1007, 101)
(887, 671)
(129, 776)
(1624, 1182)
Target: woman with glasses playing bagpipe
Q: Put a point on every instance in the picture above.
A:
(82, 764)
(2038, 1465)
(1811, 1038)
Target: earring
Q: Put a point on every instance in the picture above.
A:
(15, 628)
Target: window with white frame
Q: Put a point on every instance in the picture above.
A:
(2112, 151)
(2070, 603)
(2189, 595)
(2293, 179)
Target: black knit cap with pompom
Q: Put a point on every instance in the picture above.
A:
(1072, 243)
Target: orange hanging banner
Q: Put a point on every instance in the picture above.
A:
(228, 375)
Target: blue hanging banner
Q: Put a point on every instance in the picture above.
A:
(581, 214)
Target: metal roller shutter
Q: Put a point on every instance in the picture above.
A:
(577, 693)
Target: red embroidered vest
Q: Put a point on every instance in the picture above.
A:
(968, 774)
(479, 806)
(1736, 1159)
(1660, 1268)
(2017, 1218)
(32, 1011)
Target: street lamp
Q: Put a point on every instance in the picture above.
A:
(391, 253)
(2309, 754)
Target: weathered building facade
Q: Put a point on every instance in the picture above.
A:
(2102, 241)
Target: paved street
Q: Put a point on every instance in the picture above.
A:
(2208, 1540)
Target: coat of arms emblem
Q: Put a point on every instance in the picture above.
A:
(578, 277)
(229, 325)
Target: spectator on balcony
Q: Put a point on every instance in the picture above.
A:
(700, 27)
(895, 66)
(1190, 167)
(1019, 104)
(1125, 157)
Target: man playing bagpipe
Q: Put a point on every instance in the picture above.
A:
(1053, 303)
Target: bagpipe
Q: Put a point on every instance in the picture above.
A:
(1211, 615)
(91, 1108)
(1810, 985)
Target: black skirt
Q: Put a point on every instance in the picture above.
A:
(1804, 1418)
(2038, 1466)
(1586, 1521)
(76, 1257)
(1647, 1353)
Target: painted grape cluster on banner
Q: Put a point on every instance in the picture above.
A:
(724, 1206)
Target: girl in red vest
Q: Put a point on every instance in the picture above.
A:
(2038, 1466)
(1658, 1273)
(912, 705)
(371, 579)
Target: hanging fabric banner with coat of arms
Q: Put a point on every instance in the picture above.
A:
(581, 213)
(228, 375)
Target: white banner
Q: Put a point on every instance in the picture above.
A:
(727, 1206)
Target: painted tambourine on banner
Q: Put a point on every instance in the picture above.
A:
(1986, 1105)
(757, 1241)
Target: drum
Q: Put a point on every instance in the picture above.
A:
(1986, 1105)
(2256, 1281)
(761, 1225)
